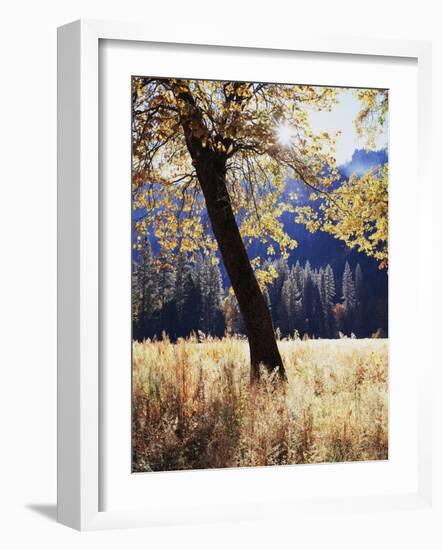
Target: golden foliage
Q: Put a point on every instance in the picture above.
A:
(372, 116)
(239, 121)
(356, 212)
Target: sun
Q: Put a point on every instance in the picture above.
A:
(285, 133)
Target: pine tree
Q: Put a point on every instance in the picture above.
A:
(299, 290)
(145, 292)
(324, 303)
(359, 302)
(297, 300)
(329, 284)
(167, 315)
(192, 306)
(329, 295)
(181, 271)
(211, 288)
(308, 298)
(349, 299)
(275, 292)
(286, 308)
(298, 274)
(317, 316)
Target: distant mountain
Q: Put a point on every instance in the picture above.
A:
(321, 248)
(362, 160)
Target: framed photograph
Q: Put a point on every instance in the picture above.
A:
(239, 314)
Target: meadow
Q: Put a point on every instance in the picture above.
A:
(193, 405)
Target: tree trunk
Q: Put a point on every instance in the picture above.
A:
(211, 173)
(210, 166)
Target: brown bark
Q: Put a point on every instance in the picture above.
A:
(211, 172)
(210, 166)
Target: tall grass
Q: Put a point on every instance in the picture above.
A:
(193, 406)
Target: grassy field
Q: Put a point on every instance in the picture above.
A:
(193, 406)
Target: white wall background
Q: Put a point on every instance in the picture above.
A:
(28, 267)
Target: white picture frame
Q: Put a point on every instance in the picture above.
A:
(79, 204)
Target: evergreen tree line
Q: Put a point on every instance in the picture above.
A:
(176, 300)
(316, 302)
(189, 297)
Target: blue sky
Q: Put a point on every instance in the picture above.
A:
(342, 118)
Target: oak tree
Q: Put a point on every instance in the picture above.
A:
(220, 152)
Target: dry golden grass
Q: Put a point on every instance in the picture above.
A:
(193, 406)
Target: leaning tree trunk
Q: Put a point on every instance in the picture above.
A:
(211, 173)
